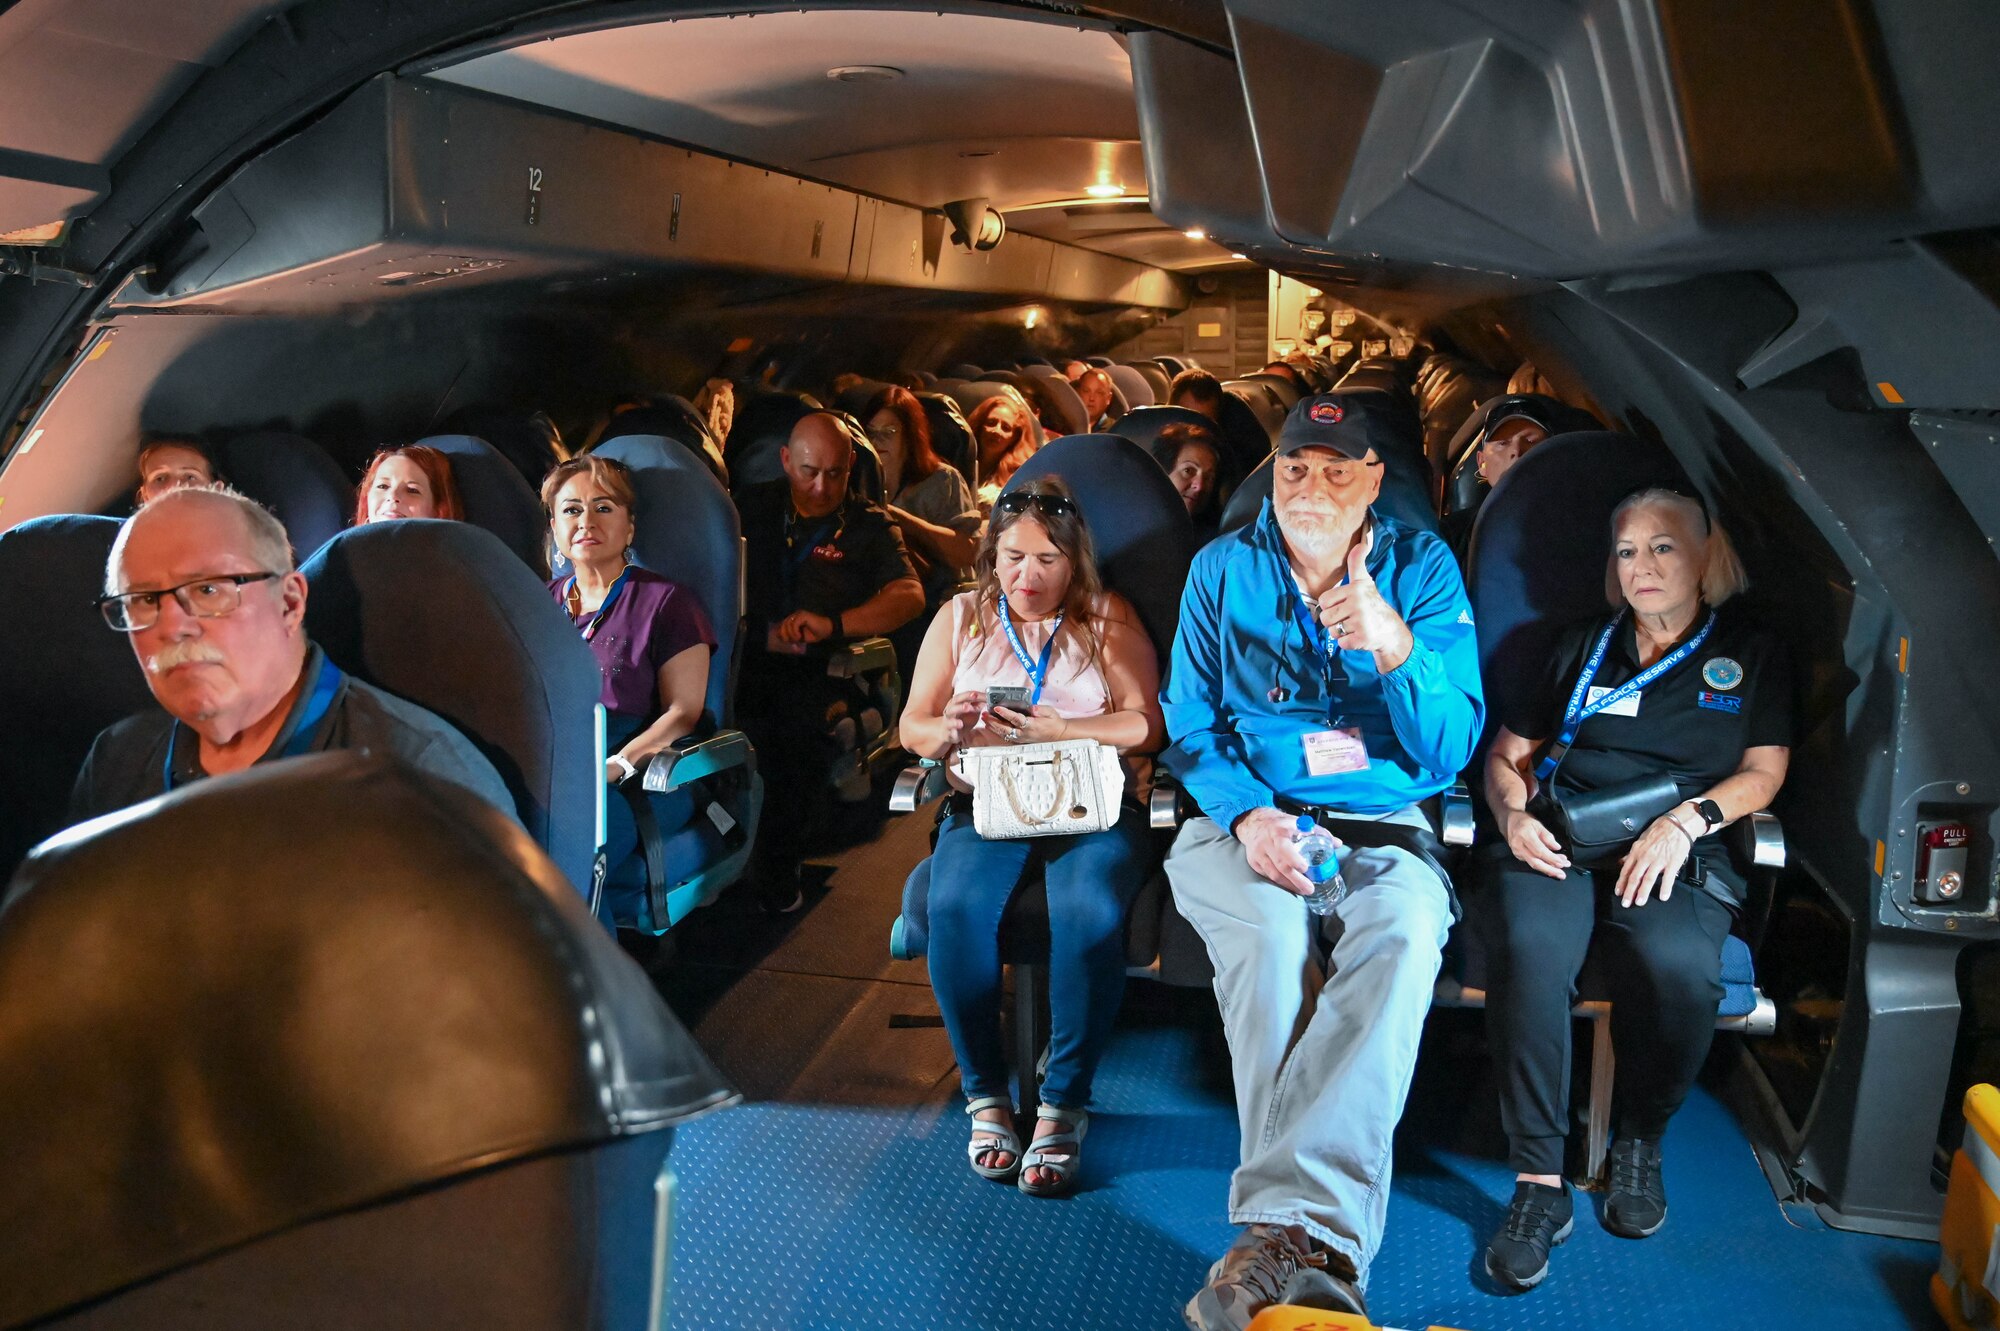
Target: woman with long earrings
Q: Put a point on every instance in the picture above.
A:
(652, 643)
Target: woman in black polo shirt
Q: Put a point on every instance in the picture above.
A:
(1678, 692)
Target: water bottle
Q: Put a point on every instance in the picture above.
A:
(1317, 846)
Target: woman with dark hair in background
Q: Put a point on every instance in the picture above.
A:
(927, 499)
(1192, 459)
(409, 482)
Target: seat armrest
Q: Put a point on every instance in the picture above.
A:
(1455, 815)
(685, 762)
(917, 785)
(1166, 809)
(862, 656)
(1759, 840)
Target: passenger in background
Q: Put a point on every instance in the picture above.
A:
(1514, 425)
(1074, 369)
(409, 482)
(819, 568)
(202, 581)
(1326, 667)
(1192, 459)
(1528, 379)
(929, 502)
(1709, 726)
(1284, 370)
(169, 462)
(1004, 431)
(1099, 396)
(716, 404)
(1041, 621)
(652, 643)
(1197, 390)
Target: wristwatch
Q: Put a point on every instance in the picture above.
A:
(626, 763)
(1711, 814)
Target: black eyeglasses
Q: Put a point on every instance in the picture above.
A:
(1017, 502)
(208, 598)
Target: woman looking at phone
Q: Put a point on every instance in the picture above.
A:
(1038, 623)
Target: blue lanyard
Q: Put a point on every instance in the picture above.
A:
(610, 599)
(301, 741)
(1323, 644)
(1038, 673)
(1577, 713)
(799, 545)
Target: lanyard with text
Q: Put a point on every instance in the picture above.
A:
(1318, 639)
(300, 743)
(610, 599)
(1038, 673)
(1577, 712)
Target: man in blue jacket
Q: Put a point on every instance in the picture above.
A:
(1326, 665)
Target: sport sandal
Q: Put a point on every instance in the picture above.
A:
(988, 1136)
(1040, 1154)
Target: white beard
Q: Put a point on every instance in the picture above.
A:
(1315, 534)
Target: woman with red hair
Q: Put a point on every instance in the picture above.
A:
(1006, 434)
(928, 500)
(409, 482)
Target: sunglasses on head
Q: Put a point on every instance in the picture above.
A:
(1016, 502)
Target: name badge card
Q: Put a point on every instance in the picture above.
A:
(1331, 752)
(1626, 706)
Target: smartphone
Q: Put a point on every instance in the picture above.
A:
(1009, 696)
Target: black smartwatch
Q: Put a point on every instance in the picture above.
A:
(1711, 814)
(840, 631)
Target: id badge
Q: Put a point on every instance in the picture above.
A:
(1331, 752)
(1626, 706)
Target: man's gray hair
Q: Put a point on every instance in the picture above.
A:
(270, 546)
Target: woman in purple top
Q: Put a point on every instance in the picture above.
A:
(652, 643)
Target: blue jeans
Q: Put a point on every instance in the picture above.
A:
(1091, 881)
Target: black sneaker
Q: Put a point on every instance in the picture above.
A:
(1539, 1218)
(1637, 1203)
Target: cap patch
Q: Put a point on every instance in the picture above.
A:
(1327, 413)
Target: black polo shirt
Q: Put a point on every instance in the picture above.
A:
(1695, 721)
(826, 565)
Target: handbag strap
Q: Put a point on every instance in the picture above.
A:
(1007, 770)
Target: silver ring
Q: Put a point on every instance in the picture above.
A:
(1340, 629)
(1014, 734)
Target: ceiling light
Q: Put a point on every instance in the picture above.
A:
(864, 73)
(1104, 191)
(1195, 233)
(1239, 256)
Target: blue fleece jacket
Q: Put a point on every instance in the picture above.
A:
(1241, 645)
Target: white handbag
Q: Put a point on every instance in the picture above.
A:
(1026, 790)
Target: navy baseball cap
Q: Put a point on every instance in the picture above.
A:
(1328, 420)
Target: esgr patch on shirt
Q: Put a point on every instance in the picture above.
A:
(1720, 702)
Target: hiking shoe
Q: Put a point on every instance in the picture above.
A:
(1327, 1290)
(1251, 1276)
(1539, 1218)
(1637, 1202)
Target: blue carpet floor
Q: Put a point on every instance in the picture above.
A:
(798, 1216)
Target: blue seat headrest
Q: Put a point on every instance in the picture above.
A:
(445, 616)
(1134, 385)
(293, 477)
(1540, 547)
(1137, 523)
(394, 989)
(964, 371)
(65, 675)
(687, 530)
(496, 496)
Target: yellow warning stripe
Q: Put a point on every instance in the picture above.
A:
(1881, 857)
(1889, 393)
(1903, 656)
(1982, 1117)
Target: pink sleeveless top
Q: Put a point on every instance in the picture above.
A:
(1075, 687)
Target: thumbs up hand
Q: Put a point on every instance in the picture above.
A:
(1359, 618)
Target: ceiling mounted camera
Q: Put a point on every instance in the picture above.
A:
(975, 224)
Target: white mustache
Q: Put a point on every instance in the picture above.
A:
(190, 651)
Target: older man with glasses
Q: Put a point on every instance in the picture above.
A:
(201, 580)
(1326, 676)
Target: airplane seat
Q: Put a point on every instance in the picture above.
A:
(513, 435)
(686, 529)
(1244, 434)
(1145, 545)
(1052, 397)
(969, 395)
(1278, 385)
(1027, 361)
(375, 1065)
(496, 497)
(1462, 488)
(1539, 551)
(66, 676)
(763, 422)
(929, 380)
(293, 477)
(671, 417)
(444, 615)
(1155, 377)
(1374, 374)
(1135, 387)
(1172, 365)
(1448, 391)
(856, 399)
(966, 371)
(951, 436)
(1100, 362)
(1262, 401)
(1143, 425)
